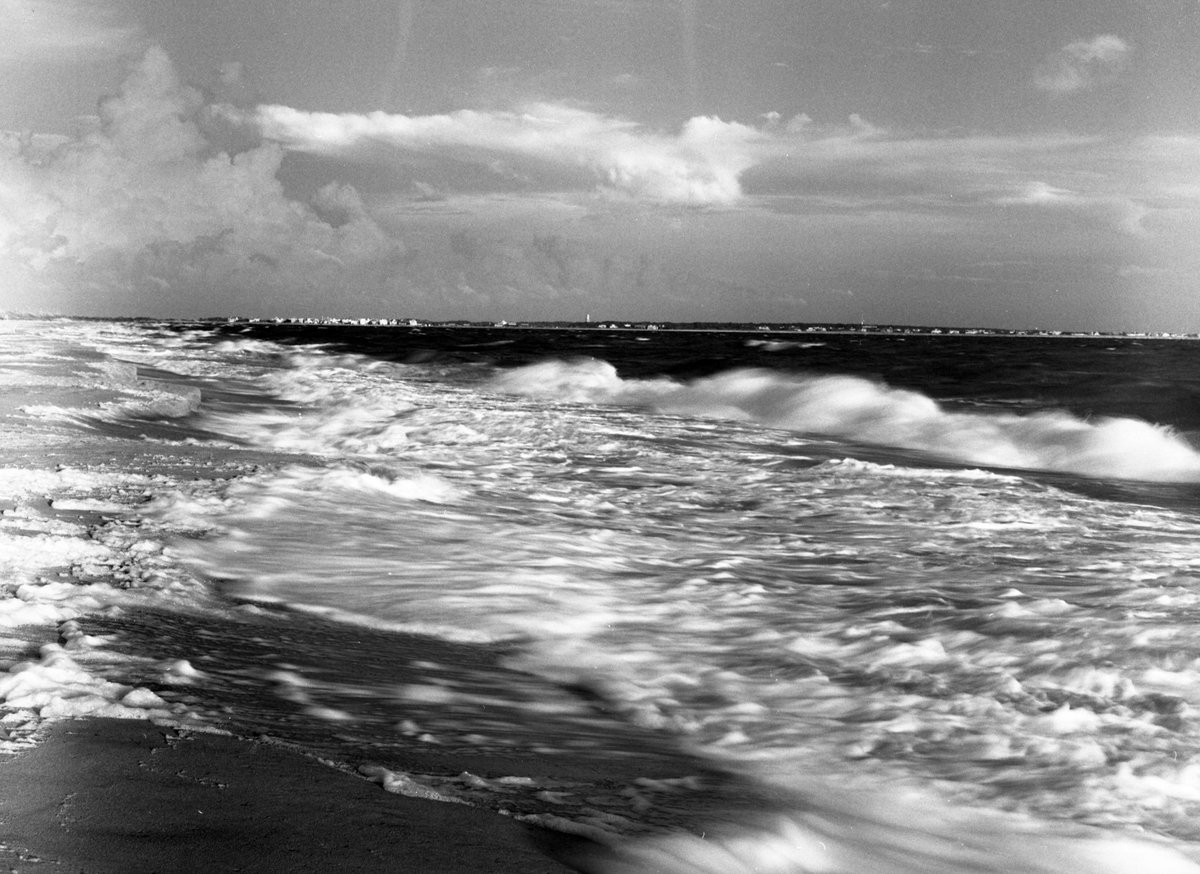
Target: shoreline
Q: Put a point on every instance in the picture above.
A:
(142, 770)
(98, 794)
(790, 329)
(160, 718)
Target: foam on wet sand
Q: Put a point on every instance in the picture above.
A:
(171, 698)
(83, 791)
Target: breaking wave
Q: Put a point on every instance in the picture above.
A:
(898, 837)
(857, 409)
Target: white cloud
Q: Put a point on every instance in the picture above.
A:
(699, 166)
(146, 202)
(855, 165)
(160, 211)
(709, 162)
(1080, 65)
(48, 30)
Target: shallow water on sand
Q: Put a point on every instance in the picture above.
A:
(763, 578)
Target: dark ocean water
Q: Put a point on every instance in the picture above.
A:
(1149, 380)
(888, 603)
(1153, 379)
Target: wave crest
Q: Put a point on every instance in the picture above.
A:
(857, 409)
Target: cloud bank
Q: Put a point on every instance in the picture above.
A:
(169, 208)
(699, 166)
(175, 206)
(1081, 65)
(147, 210)
(713, 163)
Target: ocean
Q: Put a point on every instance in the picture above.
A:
(719, 600)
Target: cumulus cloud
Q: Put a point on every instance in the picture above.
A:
(174, 206)
(147, 203)
(1081, 65)
(710, 162)
(48, 30)
(700, 165)
(852, 165)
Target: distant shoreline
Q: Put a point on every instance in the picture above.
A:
(807, 328)
(769, 328)
(727, 328)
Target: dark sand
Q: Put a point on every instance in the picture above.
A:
(125, 796)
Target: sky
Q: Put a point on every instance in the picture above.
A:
(1010, 164)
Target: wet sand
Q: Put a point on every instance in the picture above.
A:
(95, 795)
(126, 796)
(101, 795)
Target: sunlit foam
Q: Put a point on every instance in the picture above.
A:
(333, 405)
(696, 574)
(821, 830)
(857, 409)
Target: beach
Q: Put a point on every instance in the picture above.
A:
(611, 437)
(110, 763)
(127, 796)
(367, 600)
(83, 791)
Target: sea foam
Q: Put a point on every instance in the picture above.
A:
(853, 408)
(811, 826)
(820, 843)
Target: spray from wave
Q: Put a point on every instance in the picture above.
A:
(852, 408)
